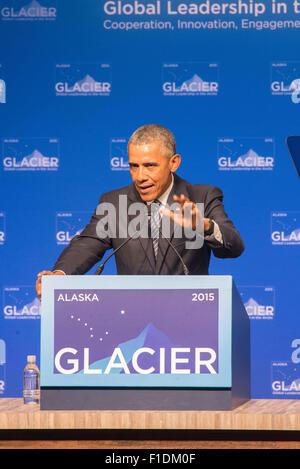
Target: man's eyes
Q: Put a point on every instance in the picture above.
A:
(147, 165)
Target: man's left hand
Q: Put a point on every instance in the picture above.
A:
(188, 215)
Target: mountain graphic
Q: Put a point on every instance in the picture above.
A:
(33, 4)
(295, 234)
(295, 85)
(2, 91)
(36, 302)
(2, 352)
(86, 79)
(154, 339)
(35, 154)
(149, 337)
(250, 155)
(194, 79)
(252, 303)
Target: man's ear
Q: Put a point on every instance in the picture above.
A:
(175, 161)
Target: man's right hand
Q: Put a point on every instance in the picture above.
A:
(38, 284)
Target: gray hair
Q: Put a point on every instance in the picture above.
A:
(152, 132)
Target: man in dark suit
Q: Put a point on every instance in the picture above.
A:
(153, 162)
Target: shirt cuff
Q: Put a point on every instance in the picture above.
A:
(216, 233)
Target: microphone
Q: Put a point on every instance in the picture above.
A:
(185, 269)
(101, 266)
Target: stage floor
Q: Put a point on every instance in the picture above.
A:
(257, 424)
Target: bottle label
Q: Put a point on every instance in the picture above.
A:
(30, 383)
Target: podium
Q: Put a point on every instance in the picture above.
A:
(143, 343)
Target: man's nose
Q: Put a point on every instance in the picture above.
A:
(141, 174)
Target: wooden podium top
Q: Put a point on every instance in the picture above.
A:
(262, 415)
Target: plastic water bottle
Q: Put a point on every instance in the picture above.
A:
(31, 381)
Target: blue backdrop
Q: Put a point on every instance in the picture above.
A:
(77, 77)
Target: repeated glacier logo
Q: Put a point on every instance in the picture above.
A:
(285, 228)
(118, 154)
(238, 154)
(68, 225)
(259, 301)
(83, 80)
(190, 79)
(285, 80)
(30, 154)
(285, 379)
(2, 228)
(33, 11)
(20, 302)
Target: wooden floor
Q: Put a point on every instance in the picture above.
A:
(258, 424)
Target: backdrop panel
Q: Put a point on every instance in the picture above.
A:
(78, 77)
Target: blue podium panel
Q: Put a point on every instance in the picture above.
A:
(157, 332)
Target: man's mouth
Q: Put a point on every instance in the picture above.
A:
(145, 189)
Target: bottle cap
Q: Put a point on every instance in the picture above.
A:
(31, 358)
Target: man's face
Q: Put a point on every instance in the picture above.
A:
(151, 169)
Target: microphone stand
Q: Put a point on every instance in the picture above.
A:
(185, 269)
(101, 266)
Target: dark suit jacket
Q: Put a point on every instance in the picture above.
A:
(137, 257)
